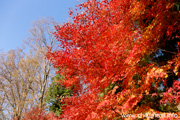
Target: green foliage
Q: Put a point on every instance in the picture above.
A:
(55, 95)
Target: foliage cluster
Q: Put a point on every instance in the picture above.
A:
(115, 57)
(56, 94)
(122, 56)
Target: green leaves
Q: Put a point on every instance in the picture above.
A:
(56, 94)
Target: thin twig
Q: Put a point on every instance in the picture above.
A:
(167, 51)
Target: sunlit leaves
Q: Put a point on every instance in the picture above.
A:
(109, 51)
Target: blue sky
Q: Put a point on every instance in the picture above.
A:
(16, 17)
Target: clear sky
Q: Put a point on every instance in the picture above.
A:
(16, 17)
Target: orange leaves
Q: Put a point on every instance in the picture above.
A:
(143, 109)
(107, 44)
(103, 104)
(114, 89)
(38, 114)
(137, 9)
(156, 73)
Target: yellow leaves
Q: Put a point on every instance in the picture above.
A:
(166, 76)
(156, 72)
(151, 26)
(176, 70)
(137, 9)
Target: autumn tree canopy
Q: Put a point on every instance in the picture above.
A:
(25, 76)
(40, 41)
(117, 55)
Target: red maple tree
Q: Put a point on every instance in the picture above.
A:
(36, 113)
(114, 53)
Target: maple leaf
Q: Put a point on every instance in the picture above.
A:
(107, 45)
